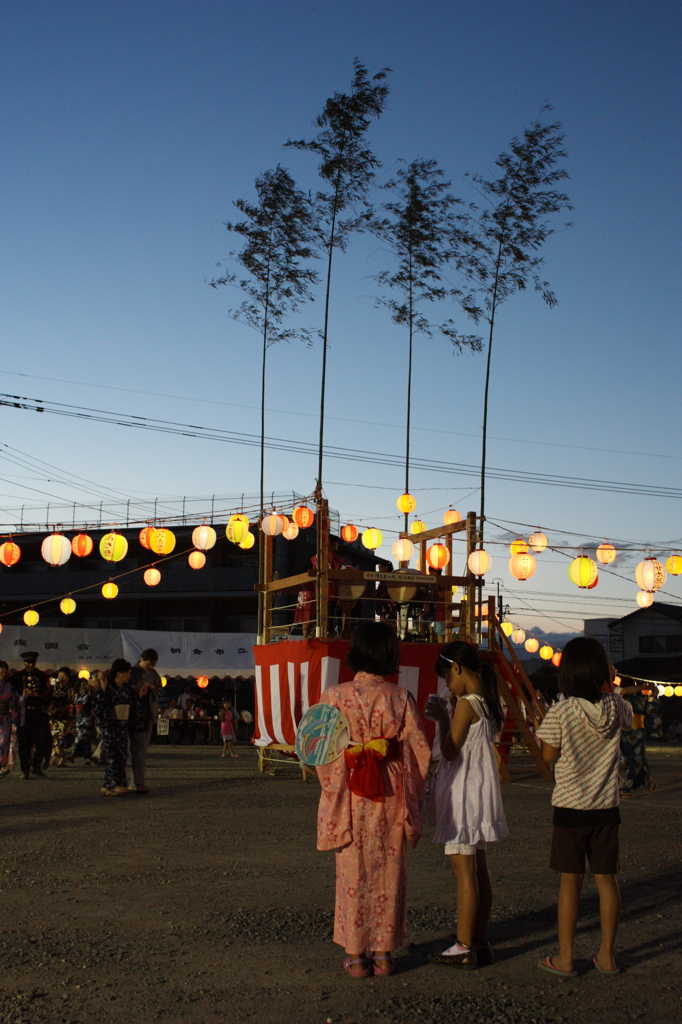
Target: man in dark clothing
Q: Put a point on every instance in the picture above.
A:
(33, 724)
(145, 685)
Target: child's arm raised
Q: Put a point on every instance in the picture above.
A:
(453, 742)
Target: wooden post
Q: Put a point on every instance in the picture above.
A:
(261, 580)
(447, 595)
(322, 586)
(470, 630)
(268, 596)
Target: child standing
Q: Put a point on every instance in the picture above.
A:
(469, 811)
(227, 730)
(583, 732)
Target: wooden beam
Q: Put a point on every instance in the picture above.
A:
(436, 532)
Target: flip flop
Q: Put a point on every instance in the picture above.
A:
(608, 974)
(546, 965)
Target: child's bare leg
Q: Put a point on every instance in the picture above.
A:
(464, 867)
(485, 897)
(609, 913)
(567, 916)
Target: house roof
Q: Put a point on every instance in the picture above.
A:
(670, 611)
(664, 670)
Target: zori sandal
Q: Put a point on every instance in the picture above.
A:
(359, 968)
(602, 970)
(546, 965)
(383, 972)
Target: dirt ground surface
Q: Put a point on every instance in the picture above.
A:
(207, 901)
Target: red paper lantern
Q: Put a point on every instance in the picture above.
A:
(202, 681)
(303, 517)
(556, 658)
(82, 545)
(349, 533)
(10, 553)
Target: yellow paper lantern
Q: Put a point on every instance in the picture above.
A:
(678, 691)
(518, 547)
(10, 553)
(438, 556)
(645, 598)
(82, 545)
(454, 590)
(546, 652)
(84, 674)
(109, 590)
(538, 542)
(406, 504)
(451, 517)
(162, 541)
(669, 691)
(479, 562)
(583, 572)
(67, 605)
(303, 517)
(237, 529)
(152, 576)
(239, 517)
(507, 628)
(56, 549)
(204, 538)
(522, 565)
(164, 681)
(290, 531)
(372, 539)
(202, 681)
(196, 560)
(650, 574)
(518, 636)
(674, 565)
(402, 549)
(531, 645)
(248, 542)
(606, 553)
(113, 547)
(31, 617)
(349, 533)
(418, 526)
(272, 525)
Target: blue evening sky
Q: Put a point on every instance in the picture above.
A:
(130, 127)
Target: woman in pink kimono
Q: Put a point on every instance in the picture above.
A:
(371, 801)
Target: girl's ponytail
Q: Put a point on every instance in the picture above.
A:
(491, 693)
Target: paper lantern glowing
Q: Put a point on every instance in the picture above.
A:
(109, 590)
(531, 645)
(84, 674)
(196, 560)
(556, 659)
(451, 517)
(152, 576)
(402, 549)
(239, 517)
(113, 547)
(303, 517)
(237, 529)
(10, 553)
(518, 636)
(349, 533)
(650, 574)
(284, 521)
(204, 538)
(162, 541)
(678, 691)
(418, 526)
(481, 610)
(645, 598)
(606, 553)
(67, 605)
(669, 691)
(479, 562)
(593, 584)
(82, 545)
(538, 542)
(372, 539)
(56, 549)
(406, 504)
(522, 565)
(248, 542)
(164, 681)
(202, 681)
(583, 572)
(145, 537)
(272, 525)
(674, 565)
(437, 556)
(546, 652)
(518, 547)
(290, 531)
(507, 628)
(31, 617)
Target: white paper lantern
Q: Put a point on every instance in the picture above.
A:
(56, 549)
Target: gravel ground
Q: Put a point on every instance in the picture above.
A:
(207, 901)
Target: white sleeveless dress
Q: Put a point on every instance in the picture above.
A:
(468, 799)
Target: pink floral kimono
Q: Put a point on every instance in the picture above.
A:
(369, 835)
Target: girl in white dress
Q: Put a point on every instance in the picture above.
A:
(469, 812)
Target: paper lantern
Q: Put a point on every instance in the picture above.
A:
(522, 565)
(152, 576)
(372, 539)
(481, 610)
(593, 584)
(145, 536)
(406, 504)
(164, 681)
(272, 525)
(113, 547)
(418, 526)
(674, 565)
(546, 652)
(284, 520)
(606, 553)
(162, 541)
(518, 547)
(56, 549)
(202, 681)
(650, 574)
(109, 590)
(437, 556)
(538, 542)
(290, 531)
(556, 659)
(451, 517)
(248, 542)
(82, 545)
(303, 517)
(678, 691)
(239, 517)
(507, 628)
(518, 636)
(479, 562)
(531, 645)
(669, 691)
(402, 549)
(583, 572)
(196, 560)
(84, 674)
(10, 553)
(31, 617)
(349, 533)
(454, 590)
(237, 529)
(204, 538)
(67, 605)
(617, 680)
(645, 598)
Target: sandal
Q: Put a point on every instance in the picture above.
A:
(358, 968)
(546, 965)
(602, 970)
(468, 960)
(382, 972)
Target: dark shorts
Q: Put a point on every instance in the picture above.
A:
(571, 845)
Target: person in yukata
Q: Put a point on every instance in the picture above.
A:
(34, 735)
(633, 741)
(112, 700)
(8, 712)
(145, 685)
(370, 802)
(84, 722)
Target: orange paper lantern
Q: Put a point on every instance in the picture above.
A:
(438, 556)
(10, 553)
(349, 533)
(303, 517)
(522, 565)
(531, 645)
(556, 659)
(82, 545)
(196, 559)
(152, 576)
(451, 517)
(145, 537)
(202, 681)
